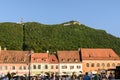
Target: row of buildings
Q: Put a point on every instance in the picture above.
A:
(63, 62)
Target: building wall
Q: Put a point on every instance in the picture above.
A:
(54, 68)
(103, 64)
(14, 68)
(69, 68)
(40, 70)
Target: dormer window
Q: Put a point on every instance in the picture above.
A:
(53, 60)
(14, 59)
(62, 60)
(69, 60)
(43, 59)
(35, 59)
(6, 59)
(22, 59)
(90, 55)
(75, 60)
(109, 55)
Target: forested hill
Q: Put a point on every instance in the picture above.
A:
(66, 36)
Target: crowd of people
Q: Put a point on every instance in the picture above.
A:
(87, 76)
(111, 76)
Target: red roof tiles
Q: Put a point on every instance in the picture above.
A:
(9, 56)
(98, 54)
(40, 57)
(68, 56)
(53, 59)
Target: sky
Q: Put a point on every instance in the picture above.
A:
(98, 14)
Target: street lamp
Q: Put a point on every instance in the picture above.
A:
(29, 66)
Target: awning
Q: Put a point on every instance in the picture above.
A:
(94, 72)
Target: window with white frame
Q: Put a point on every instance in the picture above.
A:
(71, 67)
(0, 67)
(34, 66)
(64, 67)
(46, 66)
(24, 67)
(13, 67)
(5, 67)
(78, 66)
(56, 66)
(39, 66)
(52, 66)
(20, 68)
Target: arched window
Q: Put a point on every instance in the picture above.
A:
(113, 64)
(103, 64)
(92, 65)
(108, 64)
(98, 65)
(118, 64)
(87, 64)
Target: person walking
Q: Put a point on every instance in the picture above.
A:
(110, 77)
(86, 77)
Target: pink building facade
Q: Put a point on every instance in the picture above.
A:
(14, 62)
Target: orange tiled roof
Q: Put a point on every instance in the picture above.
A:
(12, 56)
(98, 54)
(68, 56)
(53, 59)
(40, 58)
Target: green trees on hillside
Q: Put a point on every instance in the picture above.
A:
(40, 37)
(11, 36)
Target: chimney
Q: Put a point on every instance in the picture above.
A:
(78, 50)
(5, 49)
(80, 54)
(31, 52)
(0, 48)
(47, 51)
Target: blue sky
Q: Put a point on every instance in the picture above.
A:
(98, 14)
